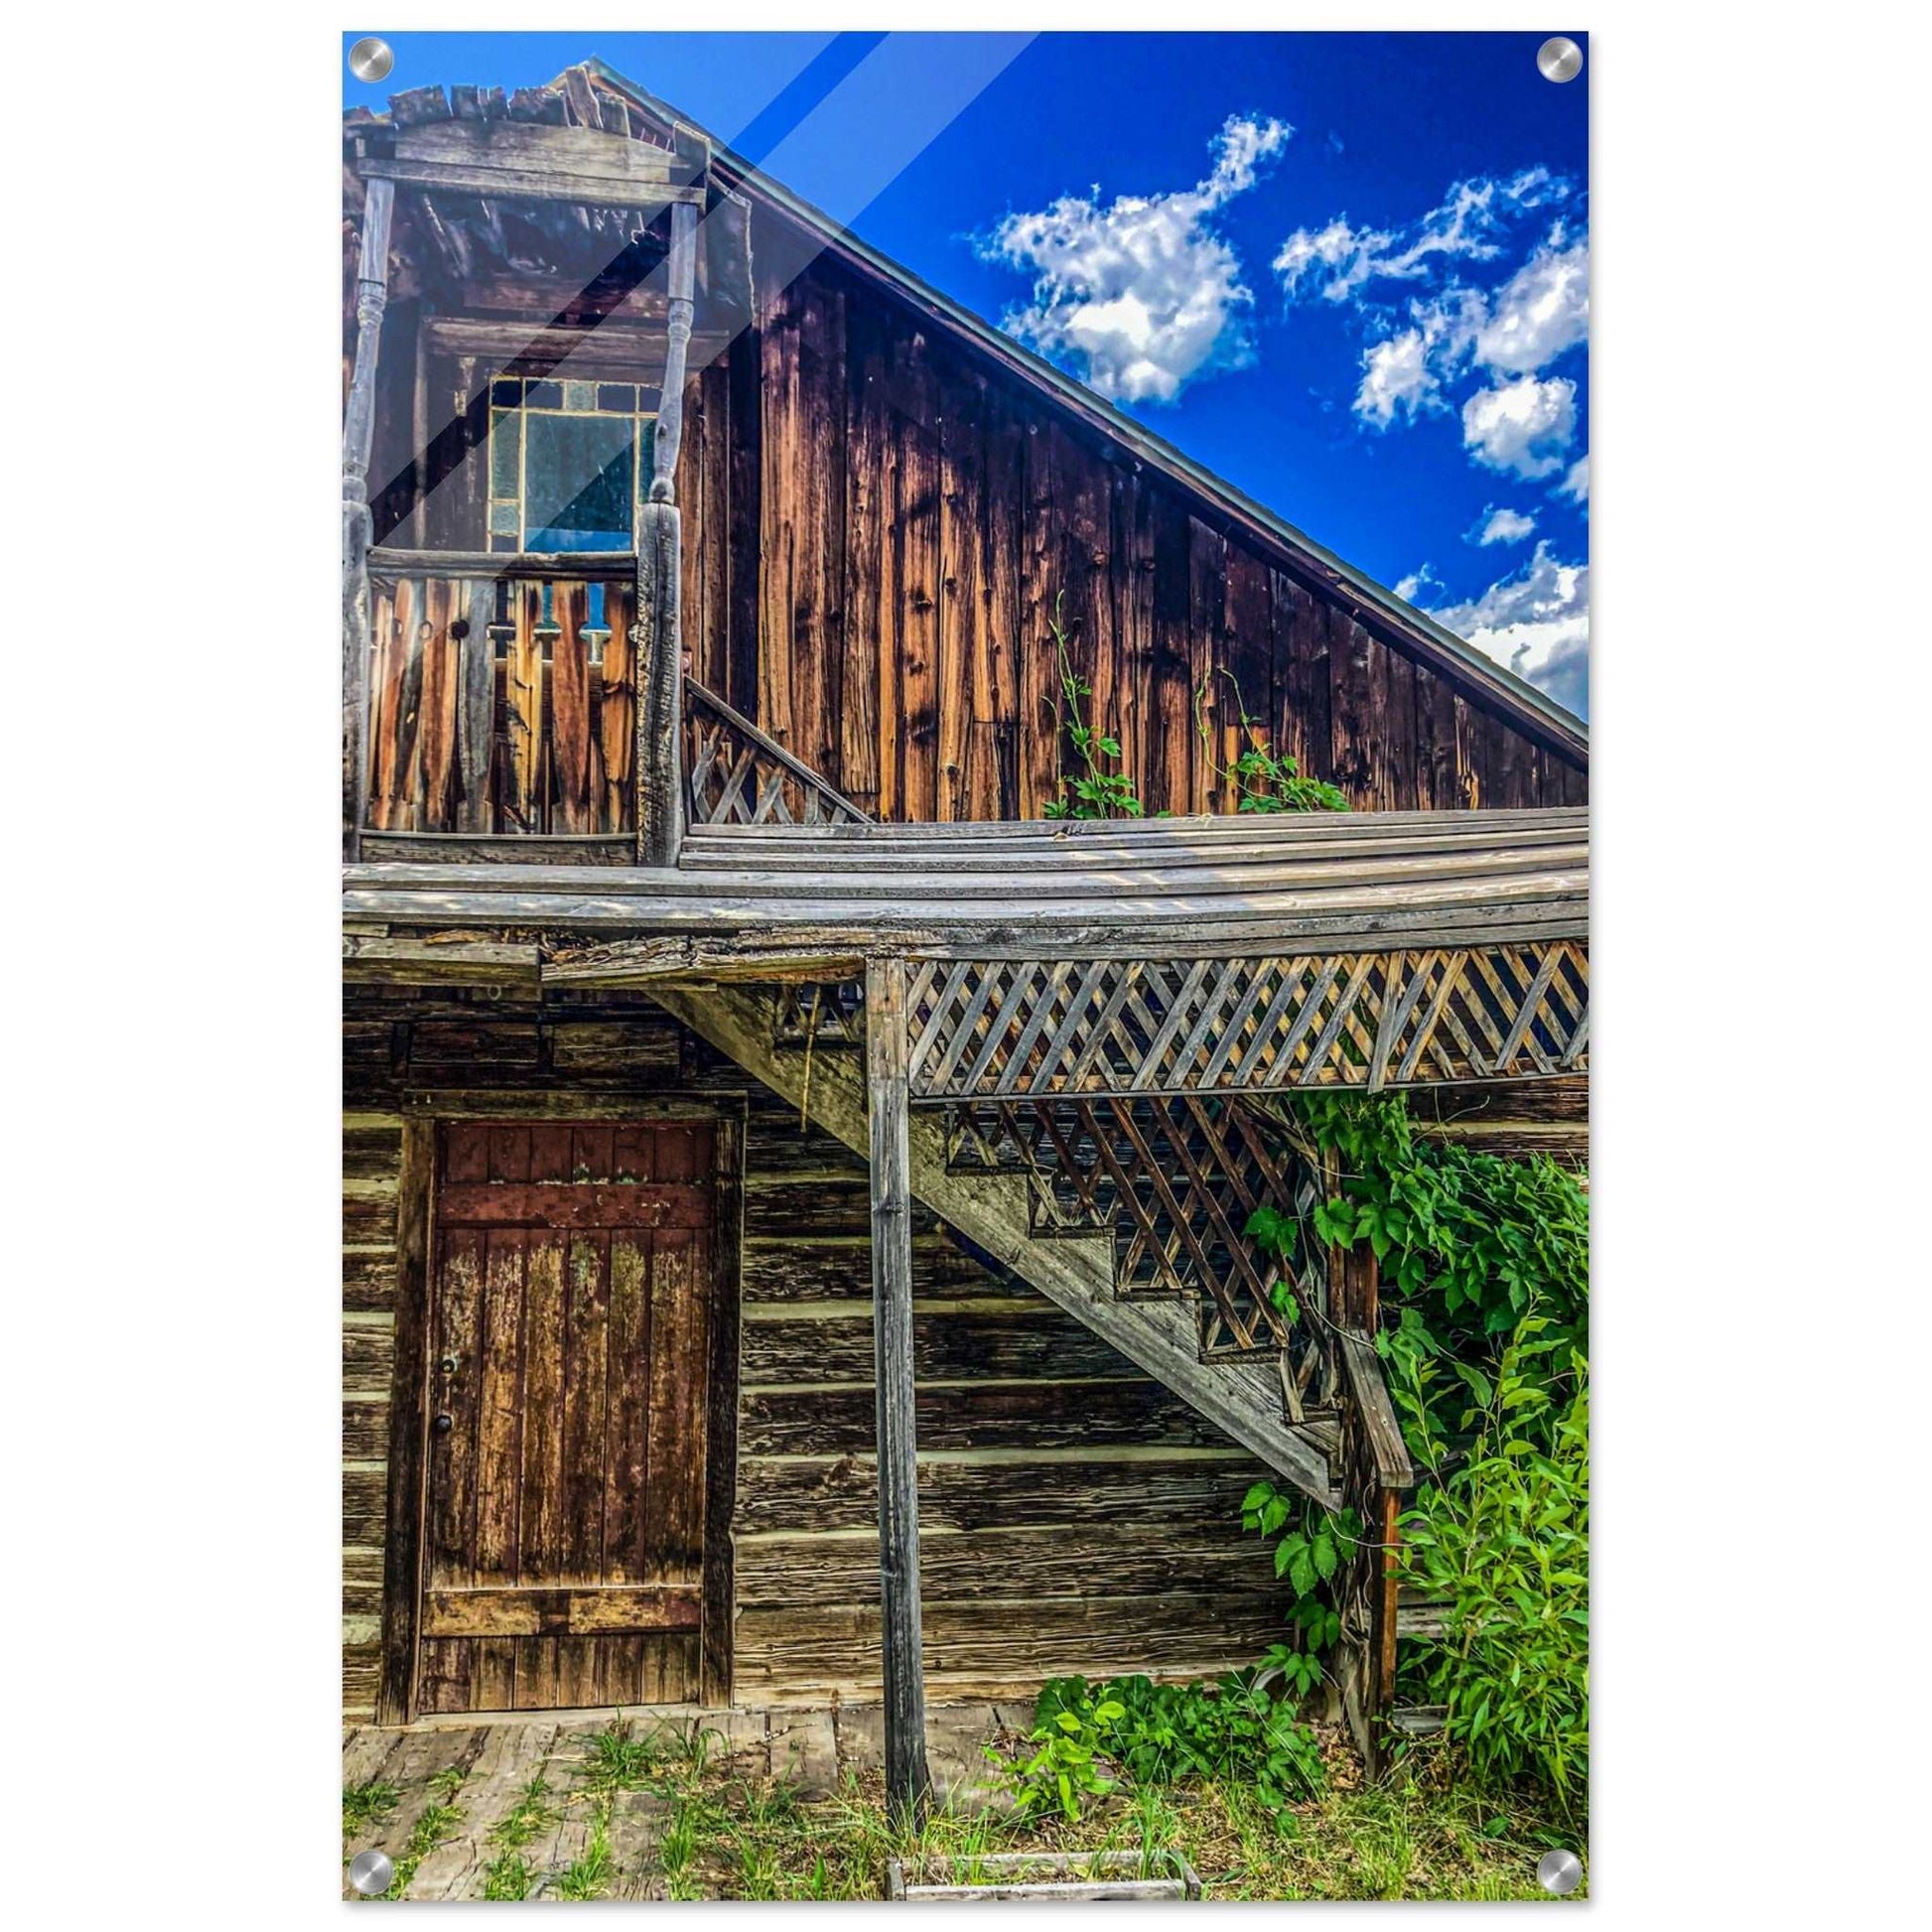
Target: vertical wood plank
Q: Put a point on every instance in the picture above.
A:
(1208, 698)
(408, 1423)
(1248, 661)
(585, 1352)
(1171, 752)
(725, 1158)
(915, 582)
(618, 713)
(476, 724)
(1041, 738)
(963, 667)
(627, 1471)
(499, 1451)
(1302, 650)
(907, 1785)
(869, 685)
(746, 488)
(523, 708)
(1350, 729)
(570, 709)
(434, 778)
(1437, 789)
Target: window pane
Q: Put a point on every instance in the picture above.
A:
(579, 479)
(505, 447)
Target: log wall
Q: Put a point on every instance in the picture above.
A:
(1074, 1515)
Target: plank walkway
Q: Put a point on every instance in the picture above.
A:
(811, 1749)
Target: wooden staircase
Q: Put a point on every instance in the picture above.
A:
(995, 1209)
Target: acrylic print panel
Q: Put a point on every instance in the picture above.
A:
(966, 965)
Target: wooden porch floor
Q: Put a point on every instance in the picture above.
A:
(497, 1759)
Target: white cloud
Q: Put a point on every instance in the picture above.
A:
(1523, 427)
(1576, 485)
(1541, 310)
(1500, 524)
(1412, 587)
(1404, 373)
(1396, 378)
(1535, 623)
(1141, 294)
(1338, 260)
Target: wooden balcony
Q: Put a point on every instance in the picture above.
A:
(503, 716)
(503, 702)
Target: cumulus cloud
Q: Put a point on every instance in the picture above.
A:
(1523, 427)
(1141, 294)
(1500, 524)
(1340, 259)
(1576, 485)
(1541, 310)
(1535, 622)
(1403, 374)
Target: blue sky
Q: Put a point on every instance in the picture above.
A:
(1346, 271)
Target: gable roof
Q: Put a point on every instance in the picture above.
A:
(1422, 632)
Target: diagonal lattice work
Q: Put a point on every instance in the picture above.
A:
(1011, 1028)
(815, 1013)
(1177, 1181)
(736, 775)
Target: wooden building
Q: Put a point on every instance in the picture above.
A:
(768, 1144)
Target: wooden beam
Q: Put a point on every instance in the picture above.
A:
(907, 1784)
(657, 638)
(358, 435)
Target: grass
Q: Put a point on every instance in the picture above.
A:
(1414, 1835)
(718, 1834)
(367, 1805)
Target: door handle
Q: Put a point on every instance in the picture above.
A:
(444, 1422)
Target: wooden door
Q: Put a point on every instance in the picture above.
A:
(563, 1536)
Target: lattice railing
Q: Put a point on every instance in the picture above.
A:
(1177, 1181)
(822, 1014)
(1003, 1029)
(736, 776)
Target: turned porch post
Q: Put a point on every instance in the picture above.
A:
(358, 433)
(657, 638)
(907, 1785)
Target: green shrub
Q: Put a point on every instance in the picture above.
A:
(1503, 1538)
(1233, 1730)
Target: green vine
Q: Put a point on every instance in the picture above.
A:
(1484, 1271)
(1263, 779)
(1098, 790)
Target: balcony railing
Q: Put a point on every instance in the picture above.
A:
(502, 697)
(736, 775)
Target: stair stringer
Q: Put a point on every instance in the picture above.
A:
(1076, 1272)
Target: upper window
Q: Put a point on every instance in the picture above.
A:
(569, 463)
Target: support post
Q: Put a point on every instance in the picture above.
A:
(907, 1785)
(657, 639)
(358, 435)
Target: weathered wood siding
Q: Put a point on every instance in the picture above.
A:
(1073, 1514)
(880, 521)
(921, 513)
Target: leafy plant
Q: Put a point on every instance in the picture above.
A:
(1062, 1771)
(1231, 1728)
(1094, 791)
(1264, 779)
(1504, 1540)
